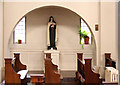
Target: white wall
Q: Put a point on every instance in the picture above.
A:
(108, 29)
(80, 8)
(13, 11)
(68, 38)
(1, 39)
(108, 32)
(119, 38)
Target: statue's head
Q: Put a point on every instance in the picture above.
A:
(51, 19)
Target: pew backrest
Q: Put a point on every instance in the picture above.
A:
(109, 62)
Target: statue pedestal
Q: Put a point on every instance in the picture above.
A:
(54, 56)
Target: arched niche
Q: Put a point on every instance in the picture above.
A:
(47, 11)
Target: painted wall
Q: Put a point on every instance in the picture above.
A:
(108, 32)
(1, 39)
(15, 14)
(119, 37)
(109, 29)
(68, 38)
(103, 14)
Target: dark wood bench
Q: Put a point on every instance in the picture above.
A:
(15, 71)
(51, 72)
(111, 75)
(54, 67)
(108, 61)
(90, 76)
(85, 74)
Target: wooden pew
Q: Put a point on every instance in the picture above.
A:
(80, 68)
(51, 75)
(18, 65)
(54, 67)
(108, 61)
(80, 74)
(90, 76)
(80, 56)
(85, 74)
(15, 75)
(111, 73)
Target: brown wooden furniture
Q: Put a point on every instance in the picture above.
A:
(80, 56)
(54, 67)
(51, 72)
(36, 78)
(108, 61)
(80, 67)
(12, 66)
(18, 65)
(48, 55)
(85, 74)
(90, 76)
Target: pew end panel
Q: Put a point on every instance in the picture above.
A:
(10, 74)
(54, 67)
(85, 73)
(15, 72)
(51, 76)
(90, 76)
(48, 56)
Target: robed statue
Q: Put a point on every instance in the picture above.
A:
(51, 34)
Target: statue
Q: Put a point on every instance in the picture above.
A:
(51, 34)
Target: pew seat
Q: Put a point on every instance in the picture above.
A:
(22, 73)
